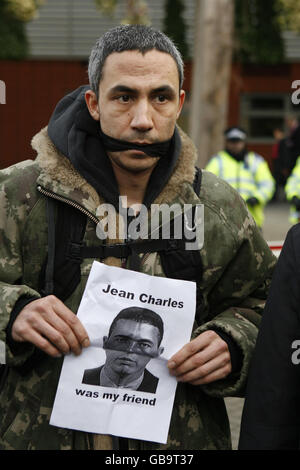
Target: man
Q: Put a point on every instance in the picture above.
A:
(292, 191)
(245, 171)
(292, 141)
(271, 415)
(133, 340)
(136, 95)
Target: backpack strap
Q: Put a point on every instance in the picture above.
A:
(60, 273)
(78, 251)
(49, 273)
(197, 181)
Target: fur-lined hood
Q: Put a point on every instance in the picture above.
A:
(59, 175)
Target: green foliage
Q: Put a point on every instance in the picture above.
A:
(137, 10)
(13, 41)
(106, 6)
(258, 32)
(289, 15)
(137, 13)
(174, 25)
(23, 10)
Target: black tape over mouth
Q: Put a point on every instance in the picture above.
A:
(159, 149)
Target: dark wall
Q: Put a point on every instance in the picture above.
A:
(33, 88)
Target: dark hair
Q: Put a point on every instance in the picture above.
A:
(130, 38)
(140, 315)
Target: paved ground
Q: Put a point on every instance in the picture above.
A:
(275, 228)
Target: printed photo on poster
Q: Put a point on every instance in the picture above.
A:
(134, 328)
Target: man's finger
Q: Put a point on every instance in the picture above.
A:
(52, 320)
(41, 343)
(62, 335)
(217, 364)
(63, 343)
(191, 348)
(196, 361)
(218, 374)
(73, 321)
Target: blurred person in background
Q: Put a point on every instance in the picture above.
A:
(245, 171)
(292, 191)
(292, 141)
(279, 163)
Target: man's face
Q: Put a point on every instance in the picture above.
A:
(139, 101)
(235, 146)
(130, 347)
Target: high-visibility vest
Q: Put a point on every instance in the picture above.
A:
(292, 188)
(251, 177)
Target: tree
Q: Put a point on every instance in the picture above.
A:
(211, 74)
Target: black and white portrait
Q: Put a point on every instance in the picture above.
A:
(134, 338)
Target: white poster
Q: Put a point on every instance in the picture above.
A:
(121, 385)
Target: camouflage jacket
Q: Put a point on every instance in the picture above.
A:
(237, 267)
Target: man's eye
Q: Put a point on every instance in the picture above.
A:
(121, 340)
(124, 98)
(144, 345)
(161, 98)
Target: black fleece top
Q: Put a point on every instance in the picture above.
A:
(271, 416)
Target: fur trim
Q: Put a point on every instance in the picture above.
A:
(60, 169)
(184, 170)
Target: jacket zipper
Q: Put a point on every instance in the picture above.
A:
(48, 193)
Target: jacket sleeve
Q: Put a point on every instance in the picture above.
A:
(214, 165)
(236, 297)
(14, 209)
(265, 184)
(292, 187)
(271, 416)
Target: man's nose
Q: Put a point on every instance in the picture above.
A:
(142, 119)
(131, 346)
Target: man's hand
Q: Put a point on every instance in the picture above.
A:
(202, 360)
(50, 326)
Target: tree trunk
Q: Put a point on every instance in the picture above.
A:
(211, 75)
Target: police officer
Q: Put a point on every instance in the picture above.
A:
(245, 171)
(292, 191)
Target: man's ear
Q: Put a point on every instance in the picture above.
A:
(92, 104)
(160, 351)
(181, 101)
